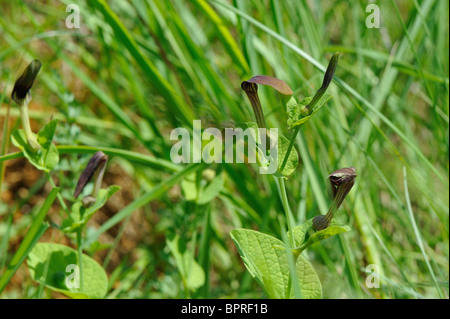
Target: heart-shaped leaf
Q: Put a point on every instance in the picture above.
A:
(292, 161)
(265, 258)
(56, 266)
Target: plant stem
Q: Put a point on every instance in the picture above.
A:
(291, 144)
(27, 128)
(80, 255)
(293, 280)
(59, 196)
(128, 155)
(4, 143)
(287, 210)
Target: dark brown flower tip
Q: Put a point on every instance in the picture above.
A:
(249, 87)
(330, 70)
(343, 175)
(25, 82)
(329, 73)
(96, 163)
(251, 90)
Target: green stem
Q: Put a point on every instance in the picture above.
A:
(128, 155)
(4, 142)
(293, 280)
(32, 141)
(80, 255)
(291, 144)
(59, 196)
(287, 210)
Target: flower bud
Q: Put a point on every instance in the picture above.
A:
(21, 95)
(325, 83)
(25, 82)
(96, 165)
(342, 181)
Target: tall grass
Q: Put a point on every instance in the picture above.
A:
(137, 69)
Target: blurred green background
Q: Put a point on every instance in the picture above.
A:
(136, 69)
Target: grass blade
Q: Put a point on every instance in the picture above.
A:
(418, 235)
(30, 239)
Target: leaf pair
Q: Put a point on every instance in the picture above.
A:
(305, 235)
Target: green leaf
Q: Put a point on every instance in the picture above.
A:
(190, 271)
(45, 135)
(211, 190)
(265, 258)
(80, 215)
(297, 113)
(301, 231)
(44, 159)
(202, 192)
(292, 161)
(309, 282)
(50, 264)
(19, 140)
(254, 132)
(305, 235)
(189, 187)
(195, 275)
